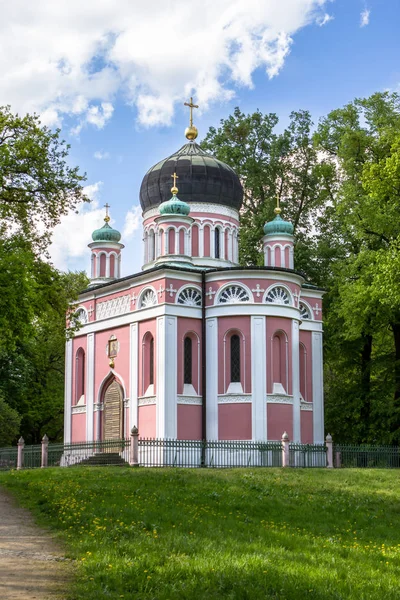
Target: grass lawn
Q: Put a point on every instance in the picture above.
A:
(226, 534)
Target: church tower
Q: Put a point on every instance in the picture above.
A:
(106, 253)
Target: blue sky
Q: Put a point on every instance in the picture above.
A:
(116, 86)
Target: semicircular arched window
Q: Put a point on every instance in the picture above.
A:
(233, 294)
(81, 316)
(147, 299)
(305, 312)
(278, 295)
(189, 297)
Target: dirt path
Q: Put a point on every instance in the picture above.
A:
(31, 564)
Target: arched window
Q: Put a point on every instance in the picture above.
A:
(217, 242)
(279, 363)
(235, 359)
(147, 298)
(305, 312)
(303, 371)
(152, 245)
(233, 294)
(278, 295)
(190, 297)
(112, 266)
(79, 374)
(151, 362)
(148, 379)
(187, 360)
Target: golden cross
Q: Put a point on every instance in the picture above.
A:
(107, 206)
(277, 210)
(175, 176)
(191, 106)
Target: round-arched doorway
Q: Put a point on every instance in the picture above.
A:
(113, 412)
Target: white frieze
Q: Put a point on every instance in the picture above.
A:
(197, 400)
(306, 406)
(78, 410)
(114, 307)
(234, 398)
(199, 207)
(279, 399)
(147, 401)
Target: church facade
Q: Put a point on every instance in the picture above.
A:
(195, 346)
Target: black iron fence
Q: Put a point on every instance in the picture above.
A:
(197, 453)
(365, 456)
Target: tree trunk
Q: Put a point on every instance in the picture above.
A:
(365, 412)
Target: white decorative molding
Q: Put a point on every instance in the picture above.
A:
(233, 294)
(199, 207)
(126, 402)
(306, 406)
(78, 410)
(279, 399)
(278, 295)
(114, 307)
(234, 398)
(189, 296)
(197, 400)
(99, 406)
(146, 401)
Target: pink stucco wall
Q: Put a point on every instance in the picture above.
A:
(306, 423)
(234, 421)
(226, 327)
(189, 326)
(189, 422)
(279, 420)
(147, 421)
(78, 428)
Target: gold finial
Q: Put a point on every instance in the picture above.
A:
(107, 218)
(174, 189)
(277, 209)
(191, 132)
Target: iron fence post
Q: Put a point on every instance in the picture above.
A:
(329, 447)
(134, 449)
(20, 457)
(285, 450)
(45, 451)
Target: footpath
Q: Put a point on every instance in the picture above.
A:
(32, 566)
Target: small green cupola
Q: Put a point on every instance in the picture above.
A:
(174, 206)
(106, 233)
(278, 225)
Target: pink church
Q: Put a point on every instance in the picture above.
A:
(195, 346)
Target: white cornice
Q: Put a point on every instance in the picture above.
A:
(261, 275)
(199, 207)
(279, 399)
(234, 398)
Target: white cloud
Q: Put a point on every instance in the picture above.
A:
(74, 58)
(71, 237)
(364, 17)
(133, 222)
(100, 155)
(324, 19)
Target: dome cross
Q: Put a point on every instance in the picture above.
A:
(191, 106)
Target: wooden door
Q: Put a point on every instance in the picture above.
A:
(113, 413)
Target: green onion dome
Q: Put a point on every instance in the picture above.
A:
(106, 234)
(174, 206)
(278, 225)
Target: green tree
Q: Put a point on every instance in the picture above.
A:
(37, 186)
(360, 142)
(9, 423)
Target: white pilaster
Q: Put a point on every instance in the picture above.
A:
(212, 242)
(166, 383)
(201, 241)
(258, 378)
(317, 387)
(212, 378)
(230, 254)
(296, 380)
(89, 394)
(68, 392)
(133, 376)
(291, 259)
(283, 260)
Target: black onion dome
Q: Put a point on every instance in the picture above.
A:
(201, 178)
